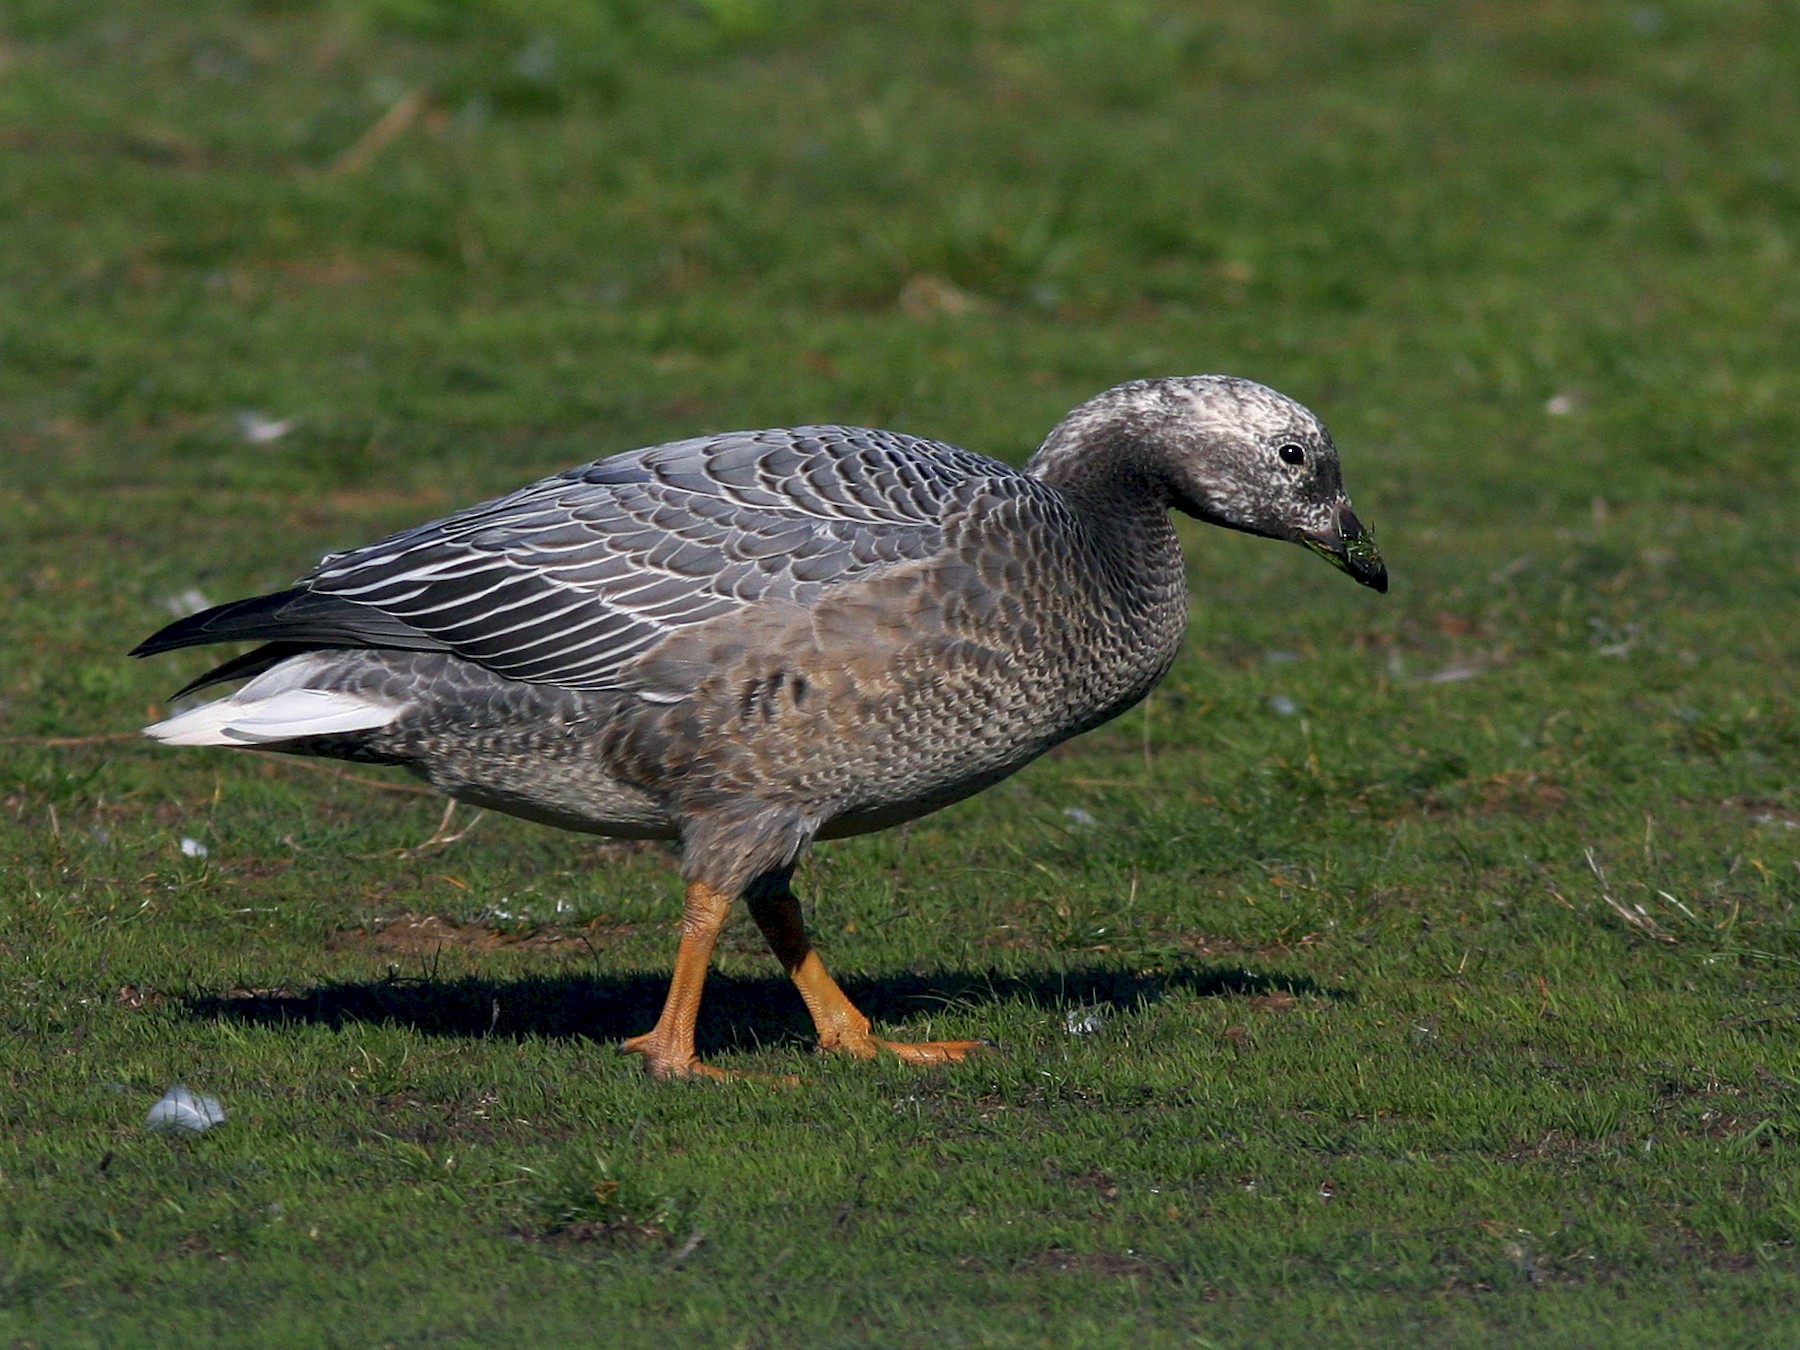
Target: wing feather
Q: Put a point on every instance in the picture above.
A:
(568, 580)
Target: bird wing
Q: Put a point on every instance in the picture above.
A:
(568, 580)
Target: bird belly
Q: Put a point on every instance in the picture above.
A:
(883, 814)
(535, 751)
(591, 805)
(557, 766)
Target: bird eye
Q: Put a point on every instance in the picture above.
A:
(1293, 454)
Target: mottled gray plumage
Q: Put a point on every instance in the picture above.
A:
(752, 640)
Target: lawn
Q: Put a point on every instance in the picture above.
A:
(1409, 968)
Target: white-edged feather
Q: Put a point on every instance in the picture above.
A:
(277, 706)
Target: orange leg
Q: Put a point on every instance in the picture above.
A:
(841, 1025)
(668, 1047)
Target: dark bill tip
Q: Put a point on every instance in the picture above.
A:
(1374, 577)
(1351, 549)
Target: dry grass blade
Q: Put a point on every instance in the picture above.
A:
(1636, 916)
(394, 123)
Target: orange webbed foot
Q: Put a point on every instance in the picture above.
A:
(866, 1046)
(663, 1061)
(930, 1052)
(659, 1062)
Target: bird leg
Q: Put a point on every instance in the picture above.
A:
(841, 1025)
(668, 1047)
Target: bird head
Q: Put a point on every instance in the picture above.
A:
(1266, 465)
(1231, 452)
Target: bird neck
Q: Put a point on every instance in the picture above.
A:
(1107, 466)
(1113, 479)
(1129, 551)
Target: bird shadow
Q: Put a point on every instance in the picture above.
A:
(740, 1013)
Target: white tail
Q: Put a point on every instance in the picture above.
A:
(277, 706)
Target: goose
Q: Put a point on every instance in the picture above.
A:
(751, 641)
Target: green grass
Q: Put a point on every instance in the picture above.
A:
(1378, 1059)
